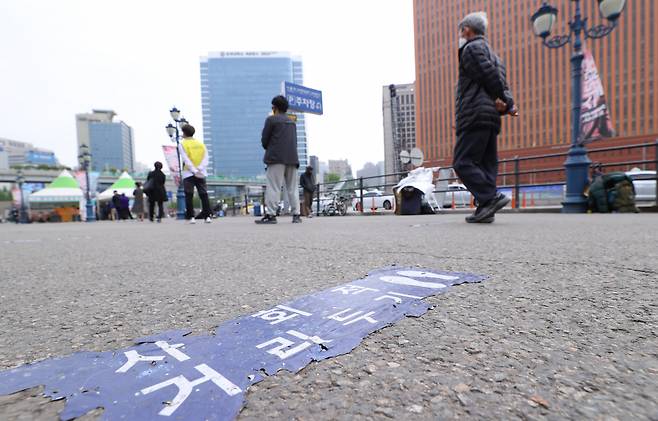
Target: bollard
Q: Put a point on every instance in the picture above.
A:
(361, 194)
(523, 201)
(656, 168)
(515, 199)
(373, 208)
(532, 199)
(454, 205)
(472, 204)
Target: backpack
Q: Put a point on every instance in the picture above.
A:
(613, 192)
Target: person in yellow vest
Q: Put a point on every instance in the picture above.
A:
(195, 161)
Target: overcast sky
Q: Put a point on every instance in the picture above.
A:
(140, 57)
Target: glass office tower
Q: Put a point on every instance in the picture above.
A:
(236, 93)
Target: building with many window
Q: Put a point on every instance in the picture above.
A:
(539, 77)
(236, 93)
(341, 167)
(22, 153)
(111, 143)
(399, 110)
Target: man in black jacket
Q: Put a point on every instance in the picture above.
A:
(482, 98)
(279, 140)
(307, 181)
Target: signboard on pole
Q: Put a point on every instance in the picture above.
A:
(595, 120)
(303, 99)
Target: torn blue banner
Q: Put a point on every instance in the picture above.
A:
(175, 375)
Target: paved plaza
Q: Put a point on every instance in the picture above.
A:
(564, 328)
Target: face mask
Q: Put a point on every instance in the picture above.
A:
(462, 42)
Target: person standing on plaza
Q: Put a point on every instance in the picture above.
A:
(116, 206)
(195, 158)
(307, 181)
(154, 188)
(124, 210)
(138, 201)
(482, 98)
(279, 139)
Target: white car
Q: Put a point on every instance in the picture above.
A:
(644, 182)
(456, 193)
(376, 199)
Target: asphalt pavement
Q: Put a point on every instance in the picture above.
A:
(564, 328)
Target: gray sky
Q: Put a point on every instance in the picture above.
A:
(140, 57)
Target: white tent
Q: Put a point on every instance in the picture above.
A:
(125, 184)
(63, 189)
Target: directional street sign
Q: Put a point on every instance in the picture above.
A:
(303, 99)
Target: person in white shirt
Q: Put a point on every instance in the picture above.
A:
(195, 161)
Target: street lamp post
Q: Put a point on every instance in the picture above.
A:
(23, 212)
(577, 163)
(85, 162)
(174, 135)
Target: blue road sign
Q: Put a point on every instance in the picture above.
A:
(303, 99)
(175, 375)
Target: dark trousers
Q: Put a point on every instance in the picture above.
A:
(476, 163)
(188, 186)
(152, 209)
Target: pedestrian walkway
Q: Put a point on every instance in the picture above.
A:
(563, 327)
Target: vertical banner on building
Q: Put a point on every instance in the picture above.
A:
(595, 120)
(172, 161)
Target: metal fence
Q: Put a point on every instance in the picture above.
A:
(544, 182)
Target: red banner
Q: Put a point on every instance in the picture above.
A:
(595, 120)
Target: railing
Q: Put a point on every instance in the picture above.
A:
(523, 177)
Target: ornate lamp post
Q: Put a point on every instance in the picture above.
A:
(23, 212)
(174, 135)
(577, 163)
(85, 162)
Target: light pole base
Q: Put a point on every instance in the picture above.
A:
(91, 212)
(576, 168)
(180, 203)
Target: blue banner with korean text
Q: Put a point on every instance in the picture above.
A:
(175, 375)
(303, 99)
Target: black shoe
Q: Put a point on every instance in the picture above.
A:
(267, 219)
(296, 219)
(471, 219)
(490, 208)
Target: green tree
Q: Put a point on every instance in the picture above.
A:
(5, 195)
(331, 177)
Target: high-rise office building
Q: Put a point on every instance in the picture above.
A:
(399, 124)
(22, 153)
(236, 93)
(110, 142)
(539, 77)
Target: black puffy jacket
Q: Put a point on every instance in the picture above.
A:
(482, 79)
(279, 140)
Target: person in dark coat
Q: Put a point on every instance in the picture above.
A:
(115, 206)
(483, 96)
(124, 207)
(138, 201)
(307, 181)
(156, 191)
(279, 139)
